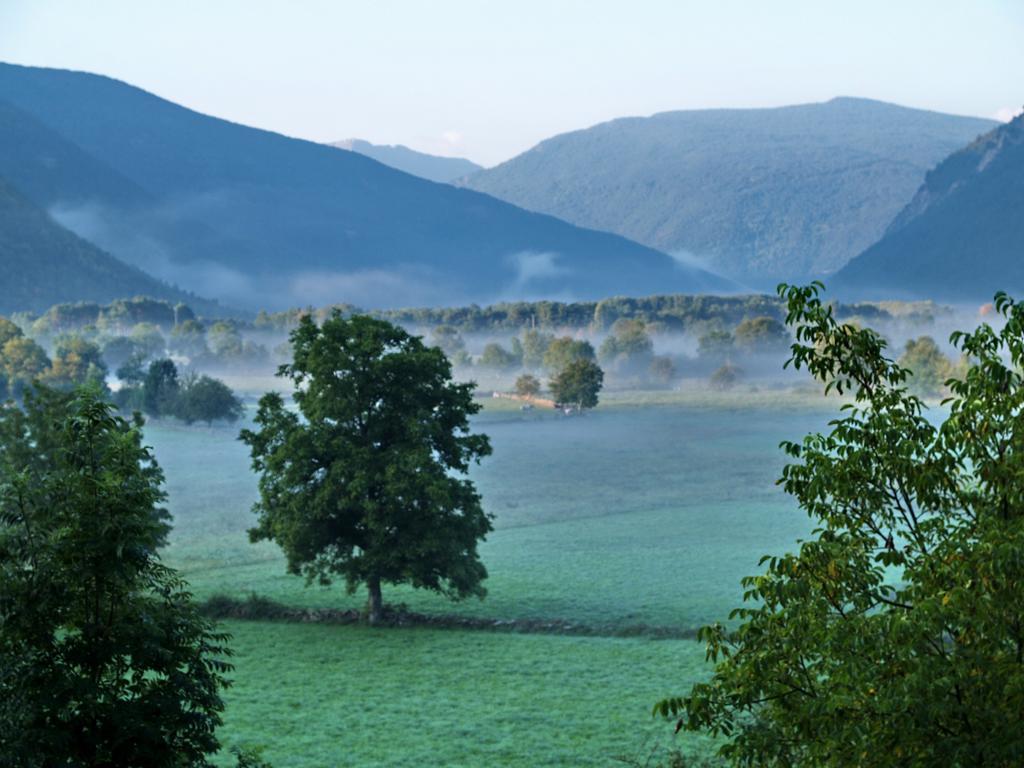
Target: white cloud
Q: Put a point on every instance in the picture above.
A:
(366, 288)
(531, 266)
(1006, 114)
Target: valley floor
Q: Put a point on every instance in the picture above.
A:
(626, 521)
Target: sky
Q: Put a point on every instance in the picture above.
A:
(487, 80)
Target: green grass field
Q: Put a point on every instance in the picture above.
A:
(627, 517)
(323, 696)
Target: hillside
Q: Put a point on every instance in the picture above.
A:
(259, 219)
(961, 238)
(431, 167)
(41, 264)
(761, 194)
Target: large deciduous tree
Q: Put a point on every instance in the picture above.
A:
(103, 659)
(894, 633)
(578, 384)
(367, 481)
(203, 398)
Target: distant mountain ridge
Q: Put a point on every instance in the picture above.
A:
(759, 194)
(42, 264)
(431, 167)
(262, 220)
(961, 238)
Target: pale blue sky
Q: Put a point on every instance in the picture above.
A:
(490, 79)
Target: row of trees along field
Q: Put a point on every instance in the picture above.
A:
(676, 313)
(143, 329)
(894, 631)
(727, 331)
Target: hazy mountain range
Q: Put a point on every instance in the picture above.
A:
(93, 170)
(759, 194)
(257, 219)
(431, 167)
(961, 236)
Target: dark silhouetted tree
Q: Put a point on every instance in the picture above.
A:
(103, 659)
(367, 481)
(891, 634)
(578, 384)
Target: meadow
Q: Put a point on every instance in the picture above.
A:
(632, 522)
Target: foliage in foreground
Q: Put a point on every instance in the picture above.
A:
(103, 659)
(368, 480)
(895, 634)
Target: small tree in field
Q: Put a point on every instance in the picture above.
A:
(367, 482)
(724, 377)
(103, 659)
(527, 385)
(929, 368)
(578, 384)
(203, 398)
(894, 634)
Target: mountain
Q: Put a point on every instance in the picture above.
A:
(431, 167)
(42, 264)
(262, 220)
(759, 194)
(961, 238)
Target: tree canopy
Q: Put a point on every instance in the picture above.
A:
(627, 347)
(498, 358)
(563, 351)
(893, 633)
(929, 367)
(527, 385)
(103, 659)
(578, 384)
(761, 335)
(204, 398)
(367, 481)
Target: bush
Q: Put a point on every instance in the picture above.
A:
(206, 399)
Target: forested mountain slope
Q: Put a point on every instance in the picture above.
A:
(760, 194)
(41, 264)
(961, 238)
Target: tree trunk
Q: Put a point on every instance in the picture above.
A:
(374, 603)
